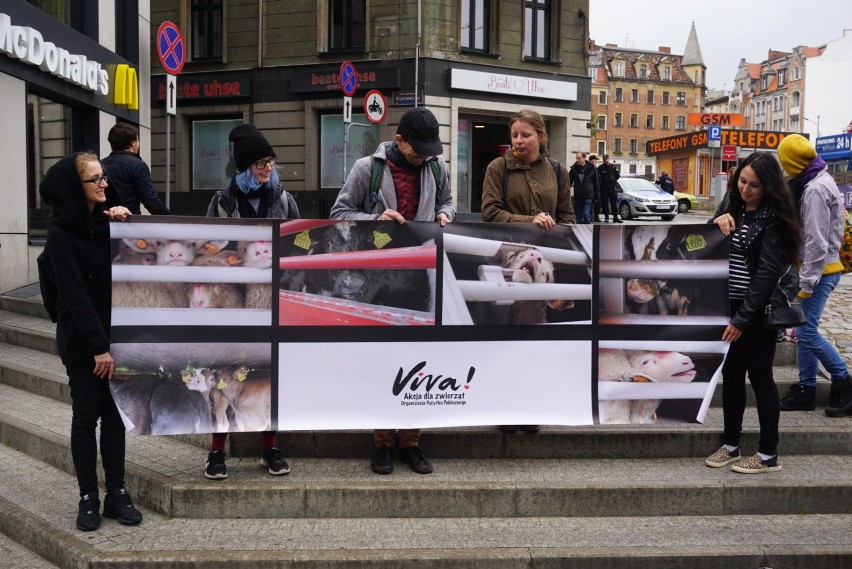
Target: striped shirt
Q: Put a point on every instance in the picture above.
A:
(739, 278)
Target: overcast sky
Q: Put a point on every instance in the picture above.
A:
(726, 31)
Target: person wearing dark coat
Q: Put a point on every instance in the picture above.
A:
(128, 173)
(666, 183)
(78, 247)
(584, 178)
(608, 175)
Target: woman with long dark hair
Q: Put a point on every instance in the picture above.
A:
(762, 220)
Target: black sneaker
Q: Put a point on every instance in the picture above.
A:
(841, 398)
(414, 457)
(117, 505)
(88, 518)
(799, 398)
(382, 462)
(216, 469)
(275, 461)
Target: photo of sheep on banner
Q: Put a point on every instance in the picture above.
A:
(657, 382)
(185, 388)
(494, 274)
(191, 274)
(369, 273)
(663, 274)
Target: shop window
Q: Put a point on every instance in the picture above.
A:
(207, 26)
(475, 33)
(59, 9)
(48, 140)
(363, 141)
(347, 30)
(212, 159)
(538, 16)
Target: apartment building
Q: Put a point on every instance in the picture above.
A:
(639, 95)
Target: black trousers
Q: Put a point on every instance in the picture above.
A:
(91, 400)
(609, 202)
(753, 353)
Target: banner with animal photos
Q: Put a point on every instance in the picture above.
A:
(226, 325)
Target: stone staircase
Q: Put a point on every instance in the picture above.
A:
(584, 497)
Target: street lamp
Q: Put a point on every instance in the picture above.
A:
(816, 123)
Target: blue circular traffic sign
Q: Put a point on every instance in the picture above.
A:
(171, 47)
(348, 79)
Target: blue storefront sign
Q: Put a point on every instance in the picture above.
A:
(835, 147)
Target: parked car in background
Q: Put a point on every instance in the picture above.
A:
(685, 202)
(641, 198)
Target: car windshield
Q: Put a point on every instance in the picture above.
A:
(638, 185)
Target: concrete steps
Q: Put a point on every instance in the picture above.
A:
(590, 497)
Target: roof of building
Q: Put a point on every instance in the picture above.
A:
(692, 53)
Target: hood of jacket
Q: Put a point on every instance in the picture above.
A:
(62, 189)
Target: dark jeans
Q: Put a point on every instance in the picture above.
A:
(753, 353)
(609, 202)
(91, 400)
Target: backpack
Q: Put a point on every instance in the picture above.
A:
(47, 284)
(223, 206)
(846, 245)
(377, 172)
(556, 168)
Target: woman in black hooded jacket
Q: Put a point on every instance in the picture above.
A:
(78, 246)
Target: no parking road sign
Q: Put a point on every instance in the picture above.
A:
(348, 79)
(375, 106)
(171, 47)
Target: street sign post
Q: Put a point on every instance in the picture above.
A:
(714, 133)
(347, 109)
(348, 79)
(171, 94)
(375, 106)
(171, 49)
(729, 153)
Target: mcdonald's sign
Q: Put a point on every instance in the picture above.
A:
(126, 87)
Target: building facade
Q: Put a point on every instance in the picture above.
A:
(474, 63)
(641, 95)
(68, 71)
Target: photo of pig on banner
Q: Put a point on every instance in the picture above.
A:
(252, 325)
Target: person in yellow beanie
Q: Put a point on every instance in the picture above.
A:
(822, 213)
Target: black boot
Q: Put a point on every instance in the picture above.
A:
(799, 398)
(841, 398)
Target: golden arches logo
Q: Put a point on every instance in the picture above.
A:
(126, 91)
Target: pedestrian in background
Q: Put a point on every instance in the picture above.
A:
(761, 218)
(525, 184)
(78, 247)
(822, 213)
(409, 191)
(608, 175)
(596, 204)
(666, 183)
(254, 192)
(128, 173)
(584, 179)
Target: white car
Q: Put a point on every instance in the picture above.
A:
(641, 198)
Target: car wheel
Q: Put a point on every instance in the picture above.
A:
(624, 210)
(683, 206)
(667, 217)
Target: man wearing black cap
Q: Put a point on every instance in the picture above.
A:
(404, 179)
(608, 174)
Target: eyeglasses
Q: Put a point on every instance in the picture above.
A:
(261, 164)
(97, 180)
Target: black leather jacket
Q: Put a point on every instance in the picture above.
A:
(764, 257)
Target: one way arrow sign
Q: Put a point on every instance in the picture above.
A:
(347, 109)
(171, 94)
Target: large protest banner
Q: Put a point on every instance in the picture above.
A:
(248, 325)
